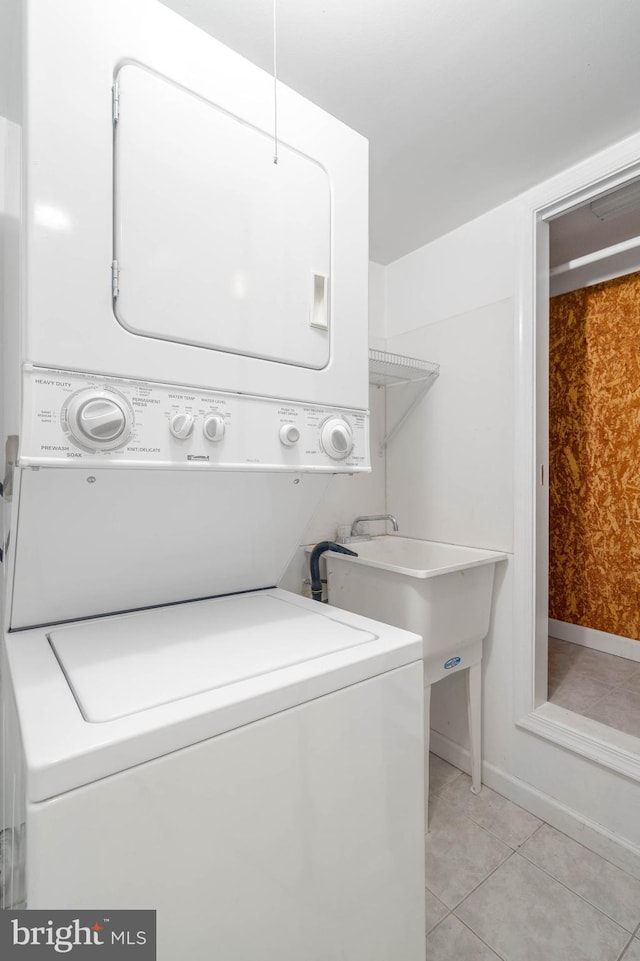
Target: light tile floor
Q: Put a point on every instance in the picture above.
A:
(501, 884)
(600, 686)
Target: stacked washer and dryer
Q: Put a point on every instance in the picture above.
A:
(186, 369)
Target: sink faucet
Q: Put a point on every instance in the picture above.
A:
(373, 517)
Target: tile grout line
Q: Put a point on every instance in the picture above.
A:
(574, 669)
(497, 868)
(460, 921)
(604, 858)
(436, 926)
(576, 893)
(517, 850)
(625, 949)
(572, 661)
(482, 940)
(586, 706)
(480, 883)
(582, 648)
(468, 927)
(497, 836)
(535, 831)
(616, 690)
(452, 913)
(512, 851)
(437, 791)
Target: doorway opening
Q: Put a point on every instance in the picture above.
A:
(588, 517)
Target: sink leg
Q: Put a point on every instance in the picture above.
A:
(474, 711)
(427, 736)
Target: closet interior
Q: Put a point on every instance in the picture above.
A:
(594, 460)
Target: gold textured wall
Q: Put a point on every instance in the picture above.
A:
(594, 457)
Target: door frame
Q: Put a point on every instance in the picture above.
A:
(578, 185)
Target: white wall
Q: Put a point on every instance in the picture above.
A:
(377, 306)
(468, 268)
(450, 476)
(450, 467)
(459, 440)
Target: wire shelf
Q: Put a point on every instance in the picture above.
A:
(395, 370)
(390, 370)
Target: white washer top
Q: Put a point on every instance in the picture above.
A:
(100, 696)
(117, 667)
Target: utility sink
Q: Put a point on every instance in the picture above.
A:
(441, 591)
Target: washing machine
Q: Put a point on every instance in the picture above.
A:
(246, 766)
(185, 370)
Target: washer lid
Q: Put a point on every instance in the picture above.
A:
(184, 673)
(124, 665)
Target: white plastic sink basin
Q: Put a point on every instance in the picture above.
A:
(416, 558)
(441, 591)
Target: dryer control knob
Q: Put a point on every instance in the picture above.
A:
(289, 434)
(213, 427)
(98, 419)
(336, 438)
(181, 425)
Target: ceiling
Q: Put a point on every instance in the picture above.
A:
(466, 103)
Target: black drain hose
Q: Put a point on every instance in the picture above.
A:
(314, 564)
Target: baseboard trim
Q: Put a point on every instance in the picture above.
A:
(596, 640)
(449, 751)
(582, 829)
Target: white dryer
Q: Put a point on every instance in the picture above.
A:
(161, 241)
(249, 767)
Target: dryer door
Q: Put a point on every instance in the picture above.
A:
(215, 244)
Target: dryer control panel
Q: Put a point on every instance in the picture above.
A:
(107, 421)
